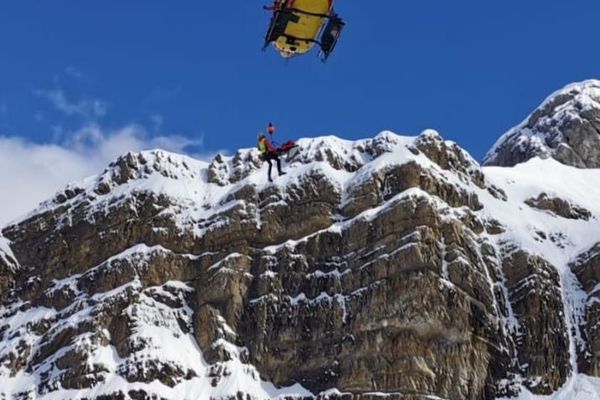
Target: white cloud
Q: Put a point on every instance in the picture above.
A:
(74, 73)
(88, 108)
(157, 122)
(31, 173)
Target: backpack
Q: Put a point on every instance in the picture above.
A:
(262, 146)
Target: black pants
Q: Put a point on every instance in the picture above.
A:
(270, 156)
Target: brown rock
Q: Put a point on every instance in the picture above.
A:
(560, 207)
(535, 295)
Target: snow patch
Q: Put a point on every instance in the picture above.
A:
(6, 254)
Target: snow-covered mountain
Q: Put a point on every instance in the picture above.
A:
(392, 267)
(566, 127)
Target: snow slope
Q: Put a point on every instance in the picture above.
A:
(526, 181)
(6, 253)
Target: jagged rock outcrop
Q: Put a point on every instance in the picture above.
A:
(557, 206)
(566, 127)
(391, 266)
(587, 268)
(542, 338)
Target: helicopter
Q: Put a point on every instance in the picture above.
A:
(297, 25)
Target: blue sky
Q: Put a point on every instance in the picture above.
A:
(469, 69)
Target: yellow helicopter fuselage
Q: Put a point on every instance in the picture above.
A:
(304, 27)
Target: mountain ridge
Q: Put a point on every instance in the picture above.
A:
(385, 267)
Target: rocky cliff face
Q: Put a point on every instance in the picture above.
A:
(566, 127)
(392, 267)
(587, 269)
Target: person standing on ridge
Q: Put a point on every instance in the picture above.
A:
(268, 151)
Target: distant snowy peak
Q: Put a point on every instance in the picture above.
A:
(565, 127)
